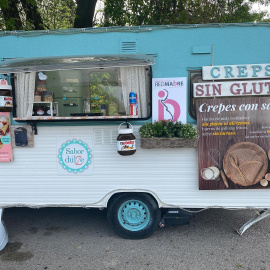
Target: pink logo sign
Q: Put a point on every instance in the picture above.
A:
(174, 112)
(3, 82)
(169, 99)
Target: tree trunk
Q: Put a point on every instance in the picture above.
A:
(85, 13)
(32, 14)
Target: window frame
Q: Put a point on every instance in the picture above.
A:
(191, 104)
(32, 120)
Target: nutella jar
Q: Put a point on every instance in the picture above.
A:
(6, 99)
(40, 111)
(126, 141)
(47, 111)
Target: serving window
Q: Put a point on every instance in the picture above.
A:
(82, 94)
(81, 87)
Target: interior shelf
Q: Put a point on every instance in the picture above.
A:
(51, 106)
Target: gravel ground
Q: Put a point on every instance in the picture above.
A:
(74, 238)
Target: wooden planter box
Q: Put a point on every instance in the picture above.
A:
(149, 143)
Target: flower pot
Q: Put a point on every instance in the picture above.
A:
(150, 143)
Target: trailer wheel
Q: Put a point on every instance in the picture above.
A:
(134, 216)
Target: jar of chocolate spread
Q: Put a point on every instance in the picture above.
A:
(126, 141)
(40, 111)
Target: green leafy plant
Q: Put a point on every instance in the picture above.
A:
(168, 129)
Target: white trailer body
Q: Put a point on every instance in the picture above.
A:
(168, 176)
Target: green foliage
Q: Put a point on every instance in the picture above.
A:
(104, 90)
(187, 132)
(57, 14)
(148, 130)
(36, 14)
(162, 12)
(168, 129)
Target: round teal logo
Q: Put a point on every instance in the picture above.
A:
(74, 156)
(6, 140)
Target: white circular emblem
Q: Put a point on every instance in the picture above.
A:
(74, 156)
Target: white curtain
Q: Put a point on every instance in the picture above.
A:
(25, 88)
(134, 80)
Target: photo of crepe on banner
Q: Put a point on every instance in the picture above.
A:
(4, 124)
(234, 143)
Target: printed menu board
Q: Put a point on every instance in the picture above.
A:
(5, 140)
(234, 143)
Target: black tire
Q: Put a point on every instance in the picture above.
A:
(133, 216)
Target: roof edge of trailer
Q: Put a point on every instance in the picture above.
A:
(142, 28)
(34, 64)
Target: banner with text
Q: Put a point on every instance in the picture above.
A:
(234, 143)
(236, 72)
(5, 139)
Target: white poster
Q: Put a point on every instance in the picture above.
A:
(74, 156)
(169, 99)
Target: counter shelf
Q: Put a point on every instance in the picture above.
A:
(59, 118)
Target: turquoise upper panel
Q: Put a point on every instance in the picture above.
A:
(218, 44)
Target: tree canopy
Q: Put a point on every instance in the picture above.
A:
(57, 14)
(46, 14)
(157, 12)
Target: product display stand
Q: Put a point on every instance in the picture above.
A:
(51, 106)
(260, 215)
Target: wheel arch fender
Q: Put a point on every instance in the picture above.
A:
(117, 193)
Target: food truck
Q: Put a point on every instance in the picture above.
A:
(72, 103)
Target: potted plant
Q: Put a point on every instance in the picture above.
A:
(168, 134)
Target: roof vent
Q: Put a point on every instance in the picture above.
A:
(128, 47)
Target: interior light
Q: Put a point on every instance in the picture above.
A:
(72, 80)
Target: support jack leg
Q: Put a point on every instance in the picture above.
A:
(260, 215)
(3, 232)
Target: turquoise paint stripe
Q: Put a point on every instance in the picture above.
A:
(235, 44)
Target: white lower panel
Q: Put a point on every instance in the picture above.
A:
(171, 175)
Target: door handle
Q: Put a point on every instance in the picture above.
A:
(71, 104)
